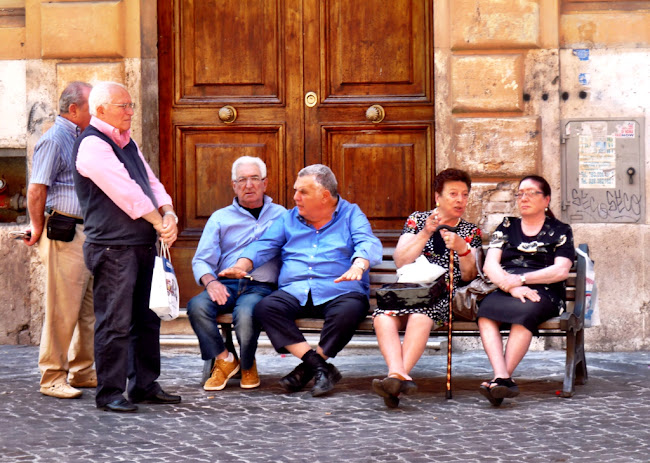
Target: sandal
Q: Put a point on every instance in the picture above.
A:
(484, 389)
(501, 388)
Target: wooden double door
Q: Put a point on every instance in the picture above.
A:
(345, 83)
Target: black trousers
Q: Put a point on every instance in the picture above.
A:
(342, 315)
(127, 332)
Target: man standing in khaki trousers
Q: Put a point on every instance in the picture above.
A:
(66, 352)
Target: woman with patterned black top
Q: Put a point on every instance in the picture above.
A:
(529, 260)
(451, 187)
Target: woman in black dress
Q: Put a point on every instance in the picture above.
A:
(419, 237)
(529, 260)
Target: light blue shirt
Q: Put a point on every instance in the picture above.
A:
(53, 166)
(227, 233)
(312, 259)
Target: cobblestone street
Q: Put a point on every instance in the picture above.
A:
(608, 419)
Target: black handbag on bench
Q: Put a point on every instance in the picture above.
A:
(410, 295)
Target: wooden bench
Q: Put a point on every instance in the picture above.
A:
(569, 325)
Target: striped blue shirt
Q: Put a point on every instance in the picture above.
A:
(52, 166)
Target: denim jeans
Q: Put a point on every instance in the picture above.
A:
(244, 296)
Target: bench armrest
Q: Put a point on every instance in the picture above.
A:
(569, 321)
(581, 284)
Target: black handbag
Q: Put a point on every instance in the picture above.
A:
(61, 227)
(466, 298)
(410, 295)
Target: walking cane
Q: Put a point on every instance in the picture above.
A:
(451, 297)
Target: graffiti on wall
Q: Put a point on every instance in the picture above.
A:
(616, 205)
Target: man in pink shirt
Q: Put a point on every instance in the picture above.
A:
(125, 209)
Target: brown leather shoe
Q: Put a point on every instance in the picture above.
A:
(88, 383)
(221, 373)
(61, 391)
(249, 378)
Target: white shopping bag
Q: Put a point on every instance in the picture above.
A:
(421, 271)
(164, 297)
(592, 314)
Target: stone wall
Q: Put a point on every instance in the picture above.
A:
(614, 84)
(506, 75)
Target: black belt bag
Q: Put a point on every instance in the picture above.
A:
(61, 227)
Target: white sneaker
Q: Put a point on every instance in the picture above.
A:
(61, 391)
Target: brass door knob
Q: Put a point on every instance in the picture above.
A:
(375, 114)
(228, 114)
(311, 99)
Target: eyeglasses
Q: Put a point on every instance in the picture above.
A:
(123, 105)
(530, 193)
(255, 180)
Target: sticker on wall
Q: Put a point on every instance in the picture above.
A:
(582, 53)
(584, 78)
(596, 156)
(625, 130)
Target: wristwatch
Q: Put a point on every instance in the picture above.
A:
(173, 214)
(360, 264)
(523, 279)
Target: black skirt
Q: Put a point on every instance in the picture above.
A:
(502, 307)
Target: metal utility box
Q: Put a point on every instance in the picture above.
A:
(603, 170)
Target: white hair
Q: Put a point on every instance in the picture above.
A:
(248, 160)
(101, 95)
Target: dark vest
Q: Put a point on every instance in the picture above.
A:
(104, 222)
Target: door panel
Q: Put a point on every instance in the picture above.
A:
(370, 51)
(240, 59)
(207, 162)
(382, 171)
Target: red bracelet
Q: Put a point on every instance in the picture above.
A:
(469, 249)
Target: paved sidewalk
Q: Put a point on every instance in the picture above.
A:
(608, 420)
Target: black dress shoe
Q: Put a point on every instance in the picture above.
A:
(120, 406)
(159, 398)
(297, 379)
(325, 378)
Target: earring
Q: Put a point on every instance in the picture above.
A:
(437, 204)
(546, 209)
